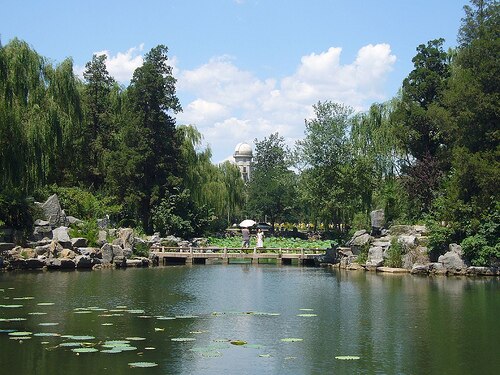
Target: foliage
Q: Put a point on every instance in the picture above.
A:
(363, 254)
(271, 190)
(15, 210)
(440, 236)
(82, 203)
(88, 230)
(270, 242)
(394, 254)
(141, 249)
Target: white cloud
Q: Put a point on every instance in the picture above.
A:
(229, 105)
(233, 105)
(120, 66)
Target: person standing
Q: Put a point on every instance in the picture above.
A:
(260, 238)
(245, 233)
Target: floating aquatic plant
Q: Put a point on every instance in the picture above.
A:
(20, 333)
(46, 334)
(143, 364)
(45, 303)
(135, 338)
(23, 298)
(183, 339)
(238, 342)
(135, 311)
(347, 357)
(291, 339)
(84, 350)
(11, 306)
(265, 355)
(71, 344)
(37, 313)
(307, 315)
(165, 318)
(48, 324)
(185, 316)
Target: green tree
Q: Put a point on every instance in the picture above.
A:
(152, 102)
(271, 190)
(325, 153)
(97, 99)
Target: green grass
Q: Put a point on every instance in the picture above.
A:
(270, 242)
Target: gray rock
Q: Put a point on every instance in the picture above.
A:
(68, 254)
(455, 248)
(35, 263)
(41, 223)
(107, 253)
(117, 251)
(361, 240)
(120, 261)
(73, 220)
(127, 237)
(84, 261)
(102, 237)
(482, 271)
(53, 212)
(42, 231)
(103, 223)
(63, 263)
(127, 252)
(134, 263)
(61, 235)
(91, 252)
(452, 262)
(377, 219)
(408, 240)
(437, 268)
(375, 257)
(79, 242)
(420, 269)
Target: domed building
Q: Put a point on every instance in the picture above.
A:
(243, 158)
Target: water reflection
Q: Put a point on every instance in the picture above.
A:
(397, 324)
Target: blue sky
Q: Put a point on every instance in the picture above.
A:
(245, 68)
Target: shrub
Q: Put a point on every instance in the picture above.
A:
(141, 249)
(477, 250)
(395, 254)
(439, 239)
(88, 230)
(363, 254)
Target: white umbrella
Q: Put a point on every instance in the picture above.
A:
(247, 223)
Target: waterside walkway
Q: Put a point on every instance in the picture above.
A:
(204, 255)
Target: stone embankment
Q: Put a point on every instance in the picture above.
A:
(372, 252)
(52, 247)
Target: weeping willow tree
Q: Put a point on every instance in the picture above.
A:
(219, 188)
(39, 114)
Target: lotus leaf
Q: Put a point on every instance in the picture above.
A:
(143, 364)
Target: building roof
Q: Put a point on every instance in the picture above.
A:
(243, 149)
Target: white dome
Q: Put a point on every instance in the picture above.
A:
(243, 149)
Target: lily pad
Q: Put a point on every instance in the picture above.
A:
(238, 342)
(165, 318)
(48, 324)
(23, 298)
(143, 364)
(291, 339)
(307, 315)
(306, 309)
(185, 316)
(71, 344)
(84, 350)
(347, 357)
(20, 333)
(11, 306)
(135, 338)
(117, 342)
(159, 329)
(45, 303)
(183, 339)
(255, 346)
(265, 355)
(20, 338)
(135, 311)
(107, 324)
(37, 313)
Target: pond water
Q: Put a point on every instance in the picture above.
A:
(294, 320)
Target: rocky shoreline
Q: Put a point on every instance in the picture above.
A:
(411, 241)
(394, 250)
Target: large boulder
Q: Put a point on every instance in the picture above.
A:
(53, 212)
(126, 235)
(63, 263)
(42, 229)
(377, 220)
(375, 257)
(102, 237)
(35, 263)
(68, 254)
(420, 269)
(79, 242)
(61, 235)
(85, 261)
(107, 253)
(6, 246)
(452, 260)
